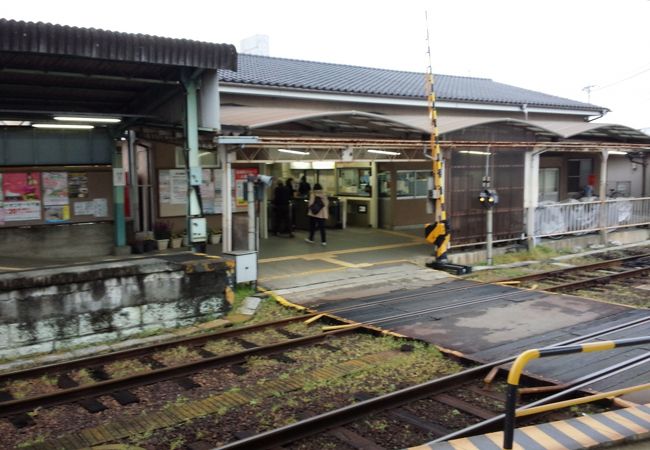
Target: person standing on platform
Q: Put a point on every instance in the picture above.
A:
(317, 210)
(303, 187)
(281, 209)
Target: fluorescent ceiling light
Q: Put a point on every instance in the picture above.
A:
(616, 152)
(323, 165)
(61, 126)
(383, 152)
(293, 152)
(474, 152)
(15, 123)
(88, 119)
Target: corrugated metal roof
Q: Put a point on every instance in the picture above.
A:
(51, 39)
(337, 78)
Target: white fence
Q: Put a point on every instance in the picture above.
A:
(576, 217)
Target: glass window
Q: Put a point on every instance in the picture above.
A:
(578, 174)
(412, 183)
(354, 182)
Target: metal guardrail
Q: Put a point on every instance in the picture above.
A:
(581, 217)
(529, 355)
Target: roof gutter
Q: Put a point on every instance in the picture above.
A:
(231, 88)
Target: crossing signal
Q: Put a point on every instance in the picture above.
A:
(488, 198)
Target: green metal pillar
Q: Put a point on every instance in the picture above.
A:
(195, 219)
(119, 220)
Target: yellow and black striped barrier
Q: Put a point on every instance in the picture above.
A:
(518, 366)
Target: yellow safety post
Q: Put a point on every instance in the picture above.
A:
(527, 356)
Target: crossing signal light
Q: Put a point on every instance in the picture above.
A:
(488, 198)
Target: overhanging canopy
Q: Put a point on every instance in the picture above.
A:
(47, 68)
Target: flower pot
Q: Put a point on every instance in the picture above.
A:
(215, 238)
(176, 242)
(162, 244)
(149, 245)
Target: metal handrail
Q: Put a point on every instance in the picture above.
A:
(529, 355)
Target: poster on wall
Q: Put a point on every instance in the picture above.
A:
(207, 192)
(100, 206)
(22, 194)
(19, 211)
(78, 185)
(240, 177)
(21, 187)
(56, 213)
(177, 187)
(84, 209)
(55, 188)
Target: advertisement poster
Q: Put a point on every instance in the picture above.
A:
(177, 187)
(21, 187)
(78, 185)
(19, 211)
(84, 209)
(101, 207)
(55, 188)
(56, 213)
(240, 177)
(207, 192)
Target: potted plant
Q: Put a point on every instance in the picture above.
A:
(215, 236)
(162, 232)
(176, 240)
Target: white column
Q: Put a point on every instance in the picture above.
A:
(531, 193)
(602, 194)
(226, 193)
(374, 196)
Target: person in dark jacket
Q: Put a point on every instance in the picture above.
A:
(317, 210)
(303, 187)
(281, 209)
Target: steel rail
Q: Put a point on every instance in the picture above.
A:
(100, 388)
(551, 273)
(596, 280)
(145, 350)
(316, 424)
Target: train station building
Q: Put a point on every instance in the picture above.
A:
(362, 133)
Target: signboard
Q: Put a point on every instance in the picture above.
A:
(22, 194)
(241, 177)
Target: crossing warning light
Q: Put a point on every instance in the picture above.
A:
(488, 198)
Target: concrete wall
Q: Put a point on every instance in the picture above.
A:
(58, 241)
(49, 309)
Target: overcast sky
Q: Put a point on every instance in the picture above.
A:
(554, 46)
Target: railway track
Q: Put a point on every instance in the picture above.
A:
(422, 412)
(69, 390)
(574, 278)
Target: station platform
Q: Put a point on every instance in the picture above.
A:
(609, 428)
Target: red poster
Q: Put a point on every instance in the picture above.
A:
(21, 187)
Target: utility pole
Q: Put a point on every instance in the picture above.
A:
(588, 90)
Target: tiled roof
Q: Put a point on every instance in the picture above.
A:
(337, 78)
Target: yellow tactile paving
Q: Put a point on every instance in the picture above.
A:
(627, 423)
(541, 438)
(575, 434)
(640, 414)
(497, 438)
(463, 444)
(602, 429)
